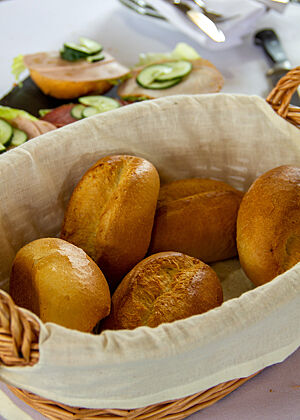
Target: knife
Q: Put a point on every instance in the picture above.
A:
(271, 45)
(200, 20)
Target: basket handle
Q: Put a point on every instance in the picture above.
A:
(19, 334)
(19, 331)
(280, 97)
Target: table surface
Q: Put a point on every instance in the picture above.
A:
(29, 26)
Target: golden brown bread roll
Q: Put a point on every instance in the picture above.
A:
(197, 217)
(60, 283)
(268, 225)
(111, 211)
(163, 288)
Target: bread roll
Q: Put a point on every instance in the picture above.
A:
(197, 217)
(111, 211)
(59, 283)
(163, 288)
(268, 225)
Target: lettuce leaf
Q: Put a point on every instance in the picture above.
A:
(182, 51)
(8, 113)
(18, 67)
(131, 98)
(116, 82)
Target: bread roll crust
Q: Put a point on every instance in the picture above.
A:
(197, 217)
(111, 211)
(268, 224)
(163, 288)
(60, 283)
(186, 187)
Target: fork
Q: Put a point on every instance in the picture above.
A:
(143, 8)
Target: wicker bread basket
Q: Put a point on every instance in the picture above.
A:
(19, 331)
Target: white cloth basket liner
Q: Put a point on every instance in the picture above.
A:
(233, 138)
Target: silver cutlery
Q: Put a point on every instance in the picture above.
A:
(143, 8)
(269, 41)
(214, 16)
(200, 19)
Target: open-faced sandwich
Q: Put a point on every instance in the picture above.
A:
(182, 71)
(75, 70)
(83, 72)
(85, 107)
(18, 126)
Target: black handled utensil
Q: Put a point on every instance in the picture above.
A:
(269, 41)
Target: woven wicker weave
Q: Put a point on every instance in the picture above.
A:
(19, 331)
(281, 95)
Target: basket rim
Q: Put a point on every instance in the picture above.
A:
(233, 305)
(179, 408)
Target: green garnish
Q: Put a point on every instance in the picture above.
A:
(120, 80)
(182, 51)
(135, 98)
(17, 68)
(8, 113)
(43, 112)
(84, 50)
(95, 57)
(100, 102)
(2, 149)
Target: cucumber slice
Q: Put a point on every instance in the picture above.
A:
(89, 111)
(2, 148)
(102, 103)
(85, 48)
(77, 110)
(78, 48)
(164, 75)
(178, 69)
(19, 137)
(150, 73)
(92, 46)
(72, 55)
(163, 85)
(6, 132)
(95, 57)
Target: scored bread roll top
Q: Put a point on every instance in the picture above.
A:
(268, 224)
(191, 186)
(163, 288)
(111, 211)
(59, 283)
(197, 217)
